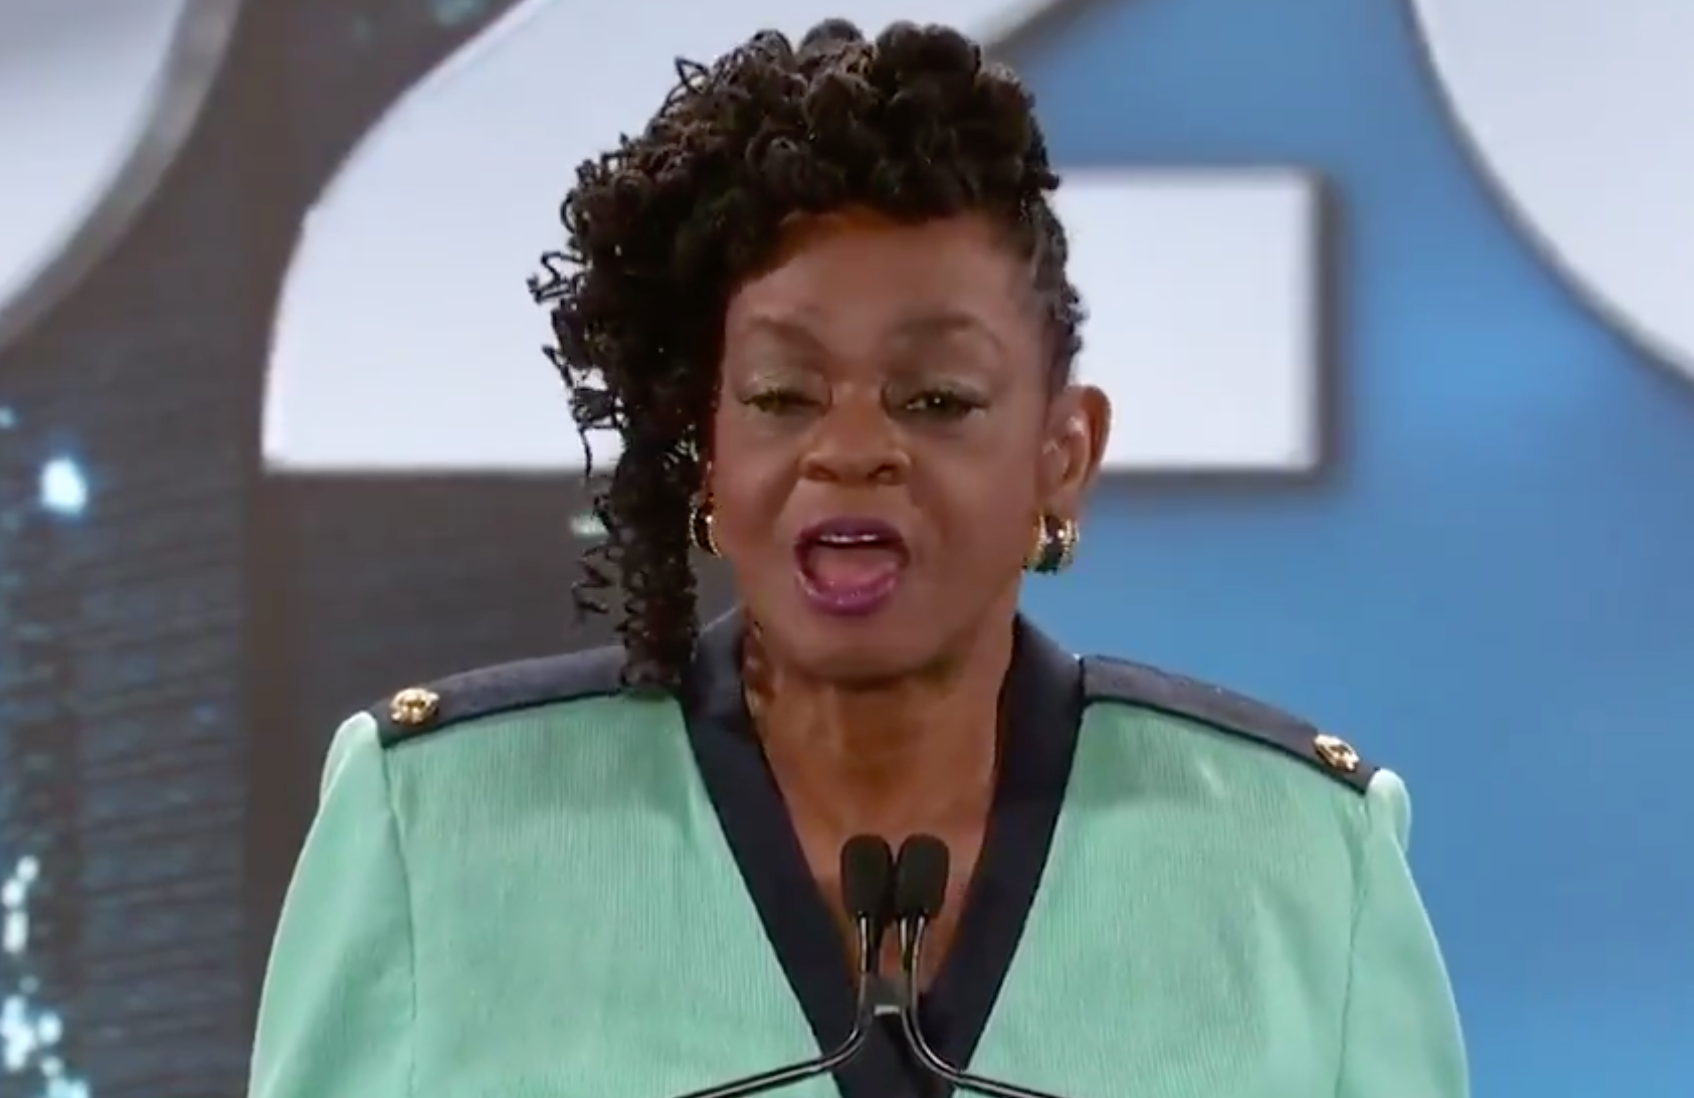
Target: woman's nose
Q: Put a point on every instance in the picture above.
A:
(856, 441)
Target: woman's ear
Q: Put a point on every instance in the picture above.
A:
(1076, 444)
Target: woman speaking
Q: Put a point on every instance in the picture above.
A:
(823, 300)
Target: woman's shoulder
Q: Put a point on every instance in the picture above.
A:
(1233, 719)
(557, 714)
(546, 729)
(497, 694)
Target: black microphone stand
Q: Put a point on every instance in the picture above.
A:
(920, 888)
(911, 958)
(867, 869)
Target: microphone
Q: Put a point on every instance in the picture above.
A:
(920, 889)
(867, 872)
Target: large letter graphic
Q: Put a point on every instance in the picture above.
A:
(1578, 112)
(99, 98)
(405, 340)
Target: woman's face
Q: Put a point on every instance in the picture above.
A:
(886, 440)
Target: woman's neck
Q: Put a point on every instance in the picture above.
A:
(889, 760)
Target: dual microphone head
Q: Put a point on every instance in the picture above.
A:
(881, 889)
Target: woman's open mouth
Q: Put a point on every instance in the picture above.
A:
(850, 566)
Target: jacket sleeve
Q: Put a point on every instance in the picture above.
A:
(336, 1017)
(1401, 1035)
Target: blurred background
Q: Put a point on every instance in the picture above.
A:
(1396, 300)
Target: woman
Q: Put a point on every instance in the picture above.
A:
(823, 300)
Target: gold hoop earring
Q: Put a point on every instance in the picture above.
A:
(700, 526)
(1055, 545)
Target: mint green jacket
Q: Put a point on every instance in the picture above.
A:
(526, 882)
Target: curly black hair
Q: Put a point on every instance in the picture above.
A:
(914, 125)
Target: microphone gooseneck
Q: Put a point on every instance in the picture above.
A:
(867, 871)
(920, 890)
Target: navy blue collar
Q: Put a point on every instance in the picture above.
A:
(1041, 706)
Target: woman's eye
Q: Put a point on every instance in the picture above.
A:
(779, 402)
(940, 404)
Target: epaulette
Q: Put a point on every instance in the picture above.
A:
(1107, 679)
(419, 710)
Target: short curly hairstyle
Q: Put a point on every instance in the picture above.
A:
(913, 125)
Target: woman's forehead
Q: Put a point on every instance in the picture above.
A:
(926, 280)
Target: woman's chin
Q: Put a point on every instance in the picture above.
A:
(860, 652)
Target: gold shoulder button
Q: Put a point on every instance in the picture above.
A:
(414, 707)
(1335, 753)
